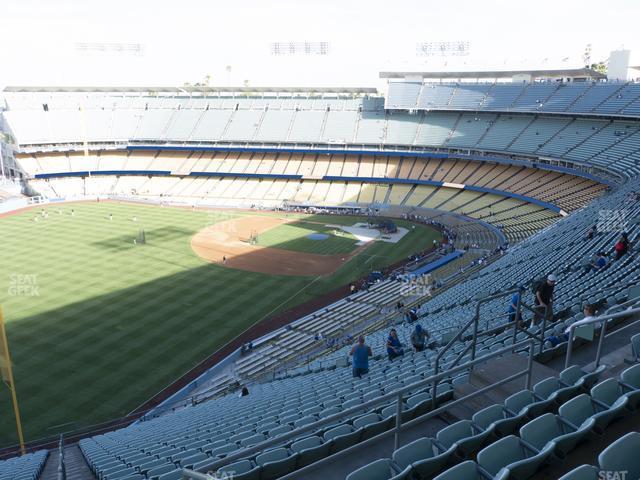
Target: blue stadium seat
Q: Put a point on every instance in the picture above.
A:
(465, 436)
(622, 456)
(424, 457)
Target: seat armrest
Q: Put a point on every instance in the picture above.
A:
(529, 447)
(631, 388)
(567, 423)
(483, 473)
(600, 403)
(510, 412)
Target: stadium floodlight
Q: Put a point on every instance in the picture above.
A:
(299, 48)
(110, 48)
(459, 48)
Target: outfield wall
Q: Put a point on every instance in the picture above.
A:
(14, 204)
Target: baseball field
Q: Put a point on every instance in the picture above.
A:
(107, 303)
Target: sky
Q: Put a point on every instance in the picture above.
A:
(188, 40)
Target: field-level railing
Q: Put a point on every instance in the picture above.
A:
(395, 396)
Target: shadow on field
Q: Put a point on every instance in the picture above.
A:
(97, 359)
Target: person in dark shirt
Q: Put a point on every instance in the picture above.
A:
(544, 295)
(419, 338)
(361, 353)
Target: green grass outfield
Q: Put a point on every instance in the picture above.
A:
(97, 325)
(293, 236)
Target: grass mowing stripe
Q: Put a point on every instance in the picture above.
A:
(113, 323)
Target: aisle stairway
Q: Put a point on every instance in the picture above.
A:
(75, 464)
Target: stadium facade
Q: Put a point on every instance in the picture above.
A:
(535, 163)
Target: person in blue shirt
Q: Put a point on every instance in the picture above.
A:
(361, 354)
(394, 347)
(600, 262)
(513, 305)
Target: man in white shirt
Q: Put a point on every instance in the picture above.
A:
(588, 316)
(589, 311)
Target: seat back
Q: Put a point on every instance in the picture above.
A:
(622, 455)
(391, 410)
(583, 472)
(272, 456)
(223, 450)
(488, 415)
(519, 400)
(463, 471)
(455, 432)
(500, 454)
(631, 376)
(378, 470)
(350, 403)
(366, 420)
(418, 398)
(337, 431)
(301, 422)
(539, 431)
(252, 440)
(279, 430)
(193, 459)
(328, 412)
(577, 410)
(635, 345)
(419, 449)
(571, 375)
(306, 443)
(547, 387)
(607, 391)
(586, 332)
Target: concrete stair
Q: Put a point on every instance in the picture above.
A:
(490, 372)
(75, 465)
(50, 471)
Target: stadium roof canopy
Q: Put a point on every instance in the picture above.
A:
(560, 73)
(191, 89)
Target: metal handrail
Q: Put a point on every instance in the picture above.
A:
(419, 299)
(396, 395)
(62, 473)
(474, 321)
(536, 309)
(603, 330)
(386, 318)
